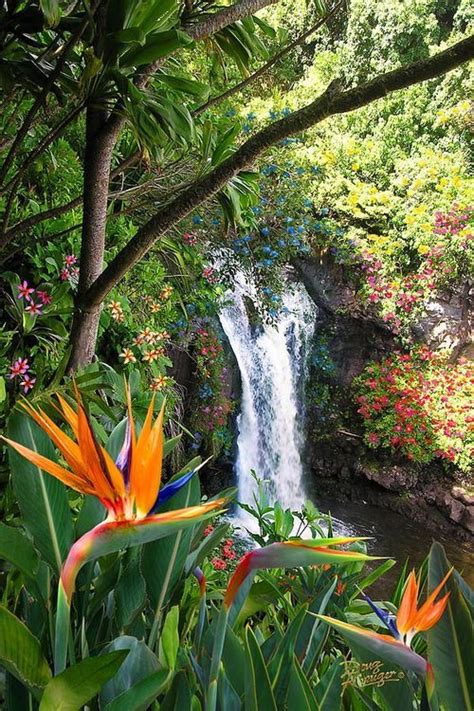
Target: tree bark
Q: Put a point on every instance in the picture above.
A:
(100, 143)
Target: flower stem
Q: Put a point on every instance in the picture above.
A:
(217, 649)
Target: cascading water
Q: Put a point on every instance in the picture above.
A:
(272, 362)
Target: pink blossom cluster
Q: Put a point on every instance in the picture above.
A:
(33, 306)
(452, 222)
(19, 369)
(69, 271)
(189, 238)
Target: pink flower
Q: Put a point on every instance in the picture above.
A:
(24, 291)
(44, 297)
(70, 260)
(27, 383)
(19, 367)
(34, 309)
(373, 438)
(64, 274)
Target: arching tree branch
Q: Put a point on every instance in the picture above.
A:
(333, 101)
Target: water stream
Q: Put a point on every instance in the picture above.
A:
(273, 364)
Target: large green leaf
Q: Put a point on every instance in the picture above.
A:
(77, 685)
(130, 591)
(18, 550)
(157, 45)
(20, 653)
(141, 695)
(140, 663)
(51, 10)
(42, 498)
(163, 561)
(328, 691)
(258, 690)
(299, 690)
(451, 640)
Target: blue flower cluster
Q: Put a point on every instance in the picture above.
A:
(205, 392)
(197, 440)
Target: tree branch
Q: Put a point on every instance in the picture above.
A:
(333, 101)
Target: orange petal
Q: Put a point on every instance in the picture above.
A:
(93, 460)
(407, 609)
(431, 610)
(68, 448)
(429, 617)
(51, 467)
(145, 477)
(69, 414)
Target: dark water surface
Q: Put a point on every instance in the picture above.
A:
(395, 536)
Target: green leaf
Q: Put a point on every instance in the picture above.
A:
(163, 561)
(328, 691)
(51, 10)
(42, 498)
(258, 690)
(451, 641)
(20, 653)
(157, 45)
(141, 695)
(299, 690)
(197, 89)
(77, 685)
(208, 544)
(169, 639)
(18, 550)
(139, 664)
(130, 591)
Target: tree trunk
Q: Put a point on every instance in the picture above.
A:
(101, 136)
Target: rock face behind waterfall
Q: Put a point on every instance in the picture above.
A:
(340, 462)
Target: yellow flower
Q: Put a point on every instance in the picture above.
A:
(128, 356)
(160, 382)
(166, 292)
(423, 249)
(355, 166)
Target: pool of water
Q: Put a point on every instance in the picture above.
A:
(395, 536)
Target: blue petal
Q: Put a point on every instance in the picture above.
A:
(386, 617)
(170, 490)
(123, 460)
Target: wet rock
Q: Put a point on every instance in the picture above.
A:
(391, 477)
(467, 497)
(467, 519)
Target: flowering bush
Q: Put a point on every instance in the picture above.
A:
(420, 404)
(213, 400)
(32, 338)
(442, 258)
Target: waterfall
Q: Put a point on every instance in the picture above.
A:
(272, 362)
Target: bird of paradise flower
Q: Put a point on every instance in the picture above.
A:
(129, 488)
